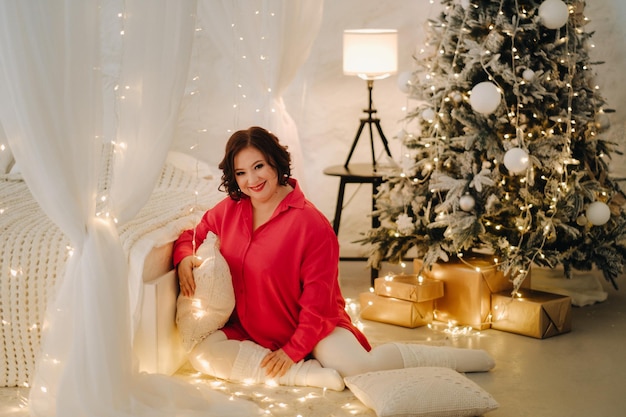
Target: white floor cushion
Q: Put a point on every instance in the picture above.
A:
(422, 391)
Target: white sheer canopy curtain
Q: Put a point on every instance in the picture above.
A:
(51, 109)
(266, 41)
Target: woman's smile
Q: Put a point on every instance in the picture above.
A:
(257, 188)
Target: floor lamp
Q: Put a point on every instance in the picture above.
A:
(370, 54)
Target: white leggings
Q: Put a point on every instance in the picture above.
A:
(341, 351)
(215, 355)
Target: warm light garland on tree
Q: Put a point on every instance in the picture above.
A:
(504, 151)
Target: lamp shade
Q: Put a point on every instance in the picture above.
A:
(370, 53)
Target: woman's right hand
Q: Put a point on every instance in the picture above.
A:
(185, 275)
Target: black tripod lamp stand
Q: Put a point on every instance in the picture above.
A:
(371, 54)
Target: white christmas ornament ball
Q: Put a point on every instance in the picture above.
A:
(404, 81)
(485, 97)
(401, 135)
(465, 4)
(516, 160)
(428, 115)
(553, 13)
(467, 202)
(528, 75)
(598, 213)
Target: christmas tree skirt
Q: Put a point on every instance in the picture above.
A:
(584, 287)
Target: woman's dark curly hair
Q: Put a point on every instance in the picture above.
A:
(267, 143)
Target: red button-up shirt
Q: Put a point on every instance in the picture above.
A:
(285, 273)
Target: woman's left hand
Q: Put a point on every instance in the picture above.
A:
(276, 363)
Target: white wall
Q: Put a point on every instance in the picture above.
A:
(607, 21)
(327, 105)
(332, 104)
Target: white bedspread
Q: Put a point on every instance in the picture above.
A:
(34, 252)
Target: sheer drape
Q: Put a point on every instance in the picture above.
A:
(266, 42)
(51, 110)
(155, 51)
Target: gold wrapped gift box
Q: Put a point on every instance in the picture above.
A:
(467, 286)
(395, 311)
(532, 313)
(408, 287)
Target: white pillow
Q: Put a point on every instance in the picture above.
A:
(421, 391)
(214, 299)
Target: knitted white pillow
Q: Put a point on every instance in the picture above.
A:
(421, 391)
(214, 299)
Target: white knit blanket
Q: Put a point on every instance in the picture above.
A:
(33, 253)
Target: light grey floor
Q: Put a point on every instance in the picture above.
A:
(578, 374)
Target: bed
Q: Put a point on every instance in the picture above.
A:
(34, 252)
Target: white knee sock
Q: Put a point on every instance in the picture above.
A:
(247, 368)
(462, 360)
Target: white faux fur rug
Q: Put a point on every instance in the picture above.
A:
(275, 401)
(285, 401)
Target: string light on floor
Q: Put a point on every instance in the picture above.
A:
(452, 329)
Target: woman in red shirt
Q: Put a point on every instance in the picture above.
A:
(283, 257)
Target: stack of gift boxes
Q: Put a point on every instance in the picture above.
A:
(404, 300)
(466, 292)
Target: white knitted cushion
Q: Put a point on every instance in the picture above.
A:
(214, 299)
(421, 391)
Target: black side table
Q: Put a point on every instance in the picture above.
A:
(355, 174)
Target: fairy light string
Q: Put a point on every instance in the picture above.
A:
(112, 146)
(238, 92)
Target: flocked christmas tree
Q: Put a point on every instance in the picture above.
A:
(505, 150)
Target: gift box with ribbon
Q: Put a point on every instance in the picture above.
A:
(396, 311)
(467, 287)
(409, 287)
(531, 313)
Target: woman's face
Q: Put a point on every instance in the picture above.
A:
(255, 177)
